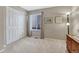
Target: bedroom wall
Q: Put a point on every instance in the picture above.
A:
(56, 31)
(2, 28)
(74, 22)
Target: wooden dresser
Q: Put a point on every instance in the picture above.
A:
(72, 44)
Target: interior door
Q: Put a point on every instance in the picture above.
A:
(8, 25)
(15, 25)
(21, 25)
(11, 30)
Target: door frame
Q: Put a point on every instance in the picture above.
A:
(42, 26)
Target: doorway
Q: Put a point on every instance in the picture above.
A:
(35, 25)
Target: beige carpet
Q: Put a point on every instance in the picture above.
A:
(32, 45)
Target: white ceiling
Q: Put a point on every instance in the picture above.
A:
(30, 8)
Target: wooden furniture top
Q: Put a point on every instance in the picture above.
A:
(75, 38)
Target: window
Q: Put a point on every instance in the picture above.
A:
(35, 21)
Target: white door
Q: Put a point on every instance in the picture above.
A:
(20, 25)
(15, 25)
(8, 25)
(11, 25)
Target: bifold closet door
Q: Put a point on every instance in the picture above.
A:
(11, 25)
(15, 25)
(21, 25)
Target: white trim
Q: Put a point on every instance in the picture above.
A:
(2, 50)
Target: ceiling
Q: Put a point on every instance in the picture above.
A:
(30, 8)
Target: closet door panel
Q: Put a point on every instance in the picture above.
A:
(9, 25)
(15, 25)
(21, 24)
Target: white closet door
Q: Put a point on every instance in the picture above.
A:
(21, 24)
(8, 25)
(11, 25)
(15, 25)
(15, 32)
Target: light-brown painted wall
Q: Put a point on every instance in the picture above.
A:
(57, 31)
(2, 28)
(74, 21)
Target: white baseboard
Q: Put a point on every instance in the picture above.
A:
(2, 50)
